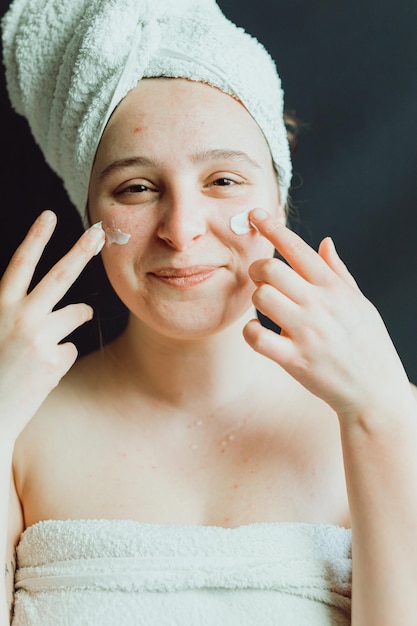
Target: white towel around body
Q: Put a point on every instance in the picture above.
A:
(126, 573)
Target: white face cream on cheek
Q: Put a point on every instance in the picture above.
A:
(240, 224)
(112, 235)
(115, 235)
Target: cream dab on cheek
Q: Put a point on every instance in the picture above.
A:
(115, 235)
(240, 223)
(112, 235)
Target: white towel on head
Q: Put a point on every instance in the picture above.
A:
(115, 572)
(68, 64)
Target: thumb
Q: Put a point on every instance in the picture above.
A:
(328, 253)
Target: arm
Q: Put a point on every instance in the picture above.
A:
(381, 474)
(6, 551)
(334, 342)
(33, 358)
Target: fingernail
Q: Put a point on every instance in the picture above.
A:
(96, 233)
(259, 214)
(331, 242)
(47, 216)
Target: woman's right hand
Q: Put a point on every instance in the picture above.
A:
(32, 359)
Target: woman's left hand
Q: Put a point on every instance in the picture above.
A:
(333, 340)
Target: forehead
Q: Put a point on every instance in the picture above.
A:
(185, 112)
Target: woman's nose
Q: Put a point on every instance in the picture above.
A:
(182, 221)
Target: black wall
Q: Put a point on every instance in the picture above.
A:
(350, 72)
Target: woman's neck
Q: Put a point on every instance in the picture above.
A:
(189, 374)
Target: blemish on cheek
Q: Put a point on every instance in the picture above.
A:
(115, 235)
(240, 224)
(138, 129)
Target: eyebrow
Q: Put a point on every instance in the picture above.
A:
(220, 154)
(121, 164)
(216, 154)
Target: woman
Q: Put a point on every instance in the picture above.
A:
(200, 468)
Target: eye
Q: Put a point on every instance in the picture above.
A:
(135, 188)
(224, 182)
(139, 191)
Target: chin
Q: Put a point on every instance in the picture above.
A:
(194, 326)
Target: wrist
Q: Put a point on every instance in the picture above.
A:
(385, 414)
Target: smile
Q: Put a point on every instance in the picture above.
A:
(185, 277)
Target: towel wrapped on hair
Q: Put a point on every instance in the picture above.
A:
(68, 65)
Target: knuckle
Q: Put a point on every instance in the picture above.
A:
(18, 261)
(59, 274)
(266, 269)
(262, 294)
(300, 365)
(38, 348)
(273, 228)
(22, 328)
(271, 266)
(296, 247)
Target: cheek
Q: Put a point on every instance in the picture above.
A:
(250, 248)
(253, 246)
(127, 239)
(125, 229)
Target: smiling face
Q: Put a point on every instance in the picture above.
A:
(177, 161)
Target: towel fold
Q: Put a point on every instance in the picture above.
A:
(102, 573)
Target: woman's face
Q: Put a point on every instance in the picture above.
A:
(177, 160)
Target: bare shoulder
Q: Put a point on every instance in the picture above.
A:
(73, 390)
(58, 420)
(55, 447)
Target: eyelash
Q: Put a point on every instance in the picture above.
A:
(130, 188)
(138, 188)
(230, 182)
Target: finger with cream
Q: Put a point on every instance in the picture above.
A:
(113, 235)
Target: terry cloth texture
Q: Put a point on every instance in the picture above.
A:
(68, 65)
(108, 573)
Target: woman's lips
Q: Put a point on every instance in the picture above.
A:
(184, 277)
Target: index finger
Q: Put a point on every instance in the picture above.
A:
(54, 285)
(301, 257)
(20, 270)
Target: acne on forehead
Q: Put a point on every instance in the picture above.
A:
(178, 94)
(146, 112)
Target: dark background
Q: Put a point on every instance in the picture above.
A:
(350, 72)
